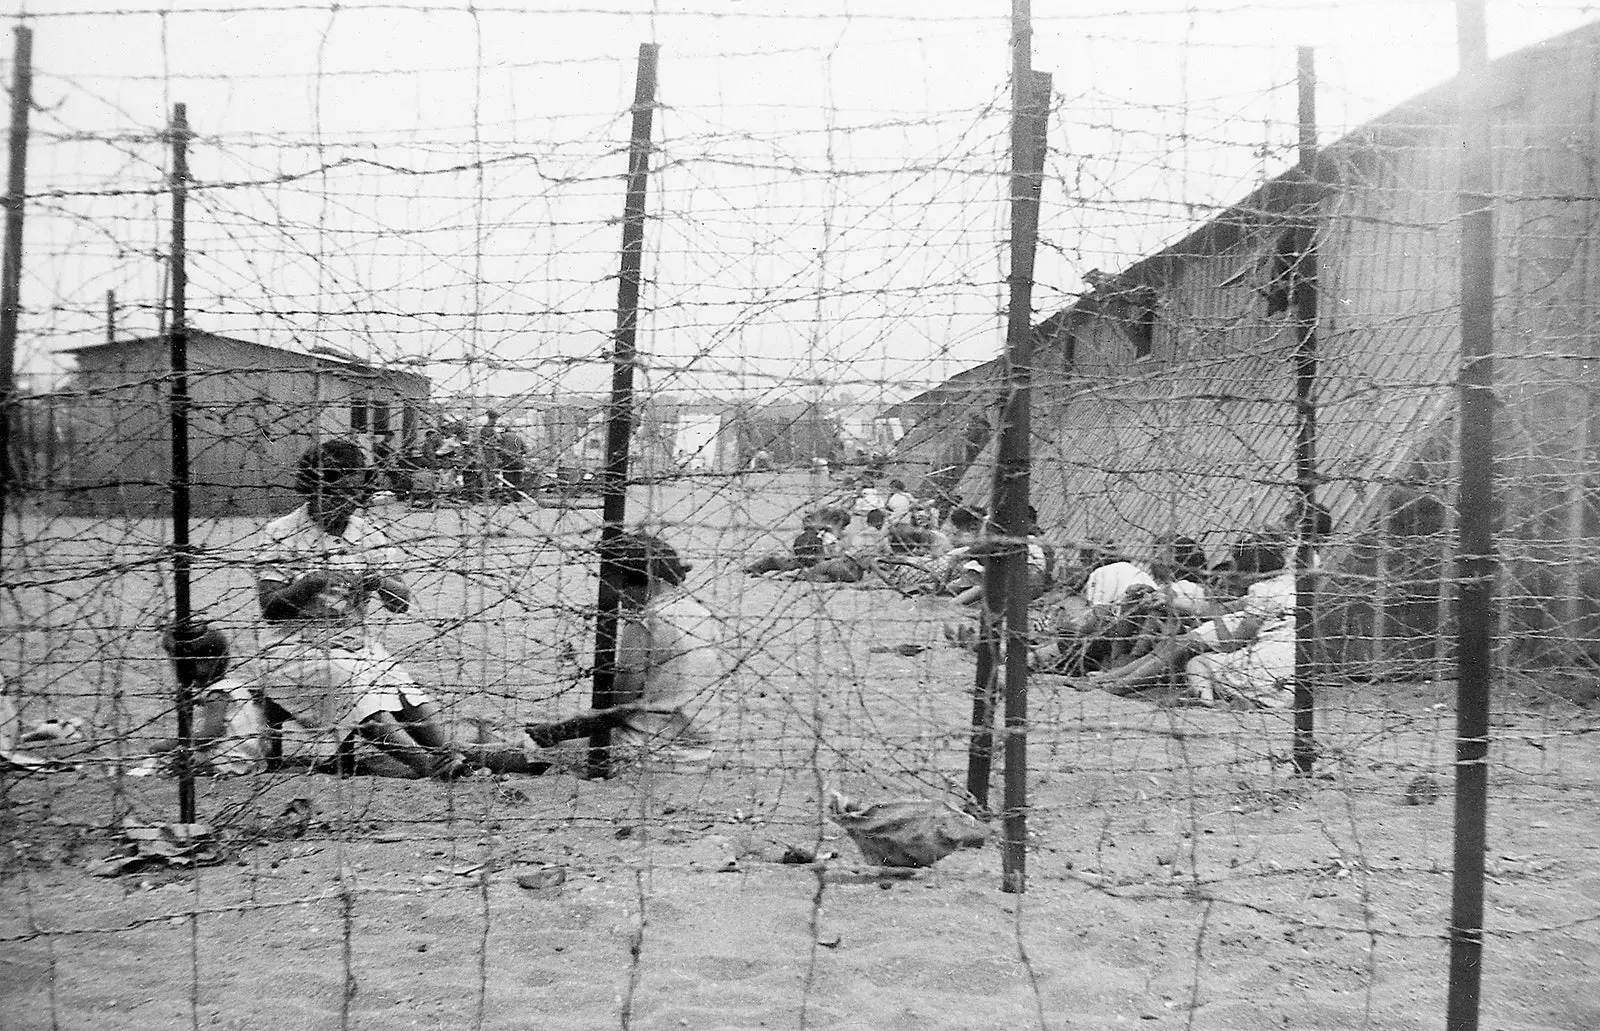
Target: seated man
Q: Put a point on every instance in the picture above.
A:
(1183, 575)
(668, 658)
(1243, 655)
(316, 571)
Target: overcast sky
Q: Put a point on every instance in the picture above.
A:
(431, 184)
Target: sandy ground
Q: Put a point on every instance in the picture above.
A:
(1177, 875)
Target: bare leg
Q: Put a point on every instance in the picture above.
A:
(421, 721)
(1147, 670)
(395, 739)
(582, 725)
(970, 596)
(502, 758)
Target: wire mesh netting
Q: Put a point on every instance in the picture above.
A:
(445, 773)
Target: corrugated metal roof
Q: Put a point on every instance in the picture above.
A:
(199, 336)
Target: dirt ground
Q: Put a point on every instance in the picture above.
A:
(1178, 876)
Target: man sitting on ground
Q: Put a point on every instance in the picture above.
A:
(668, 659)
(316, 571)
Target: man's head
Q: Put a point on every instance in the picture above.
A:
(834, 518)
(1259, 553)
(204, 644)
(335, 478)
(637, 562)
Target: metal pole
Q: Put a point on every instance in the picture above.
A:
(1475, 625)
(11, 260)
(111, 316)
(1015, 463)
(1305, 449)
(1005, 575)
(619, 421)
(178, 344)
(985, 690)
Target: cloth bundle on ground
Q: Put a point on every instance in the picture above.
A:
(910, 832)
(50, 744)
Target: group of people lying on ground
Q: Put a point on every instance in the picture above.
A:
(894, 540)
(1222, 635)
(323, 692)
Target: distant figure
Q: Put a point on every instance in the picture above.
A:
(821, 537)
(869, 497)
(899, 502)
(449, 457)
(386, 465)
(1181, 571)
(761, 461)
(1111, 573)
(512, 455)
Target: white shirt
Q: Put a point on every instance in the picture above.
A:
(1187, 596)
(1273, 601)
(293, 545)
(1108, 583)
(675, 644)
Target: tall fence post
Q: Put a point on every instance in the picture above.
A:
(11, 260)
(619, 417)
(178, 348)
(1006, 594)
(1475, 623)
(1014, 481)
(1305, 449)
(989, 644)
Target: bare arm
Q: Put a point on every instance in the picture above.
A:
(632, 662)
(282, 600)
(390, 590)
(291, 600)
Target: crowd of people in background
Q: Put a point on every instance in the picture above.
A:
(452, 464)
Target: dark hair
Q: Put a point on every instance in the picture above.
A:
(875, 518)
(897, 485)
(327, 462)
(640, 557)
(1259, 553)
(194, 639)
(966, 518)
(199, 642)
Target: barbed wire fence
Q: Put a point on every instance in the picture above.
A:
(402, 230)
